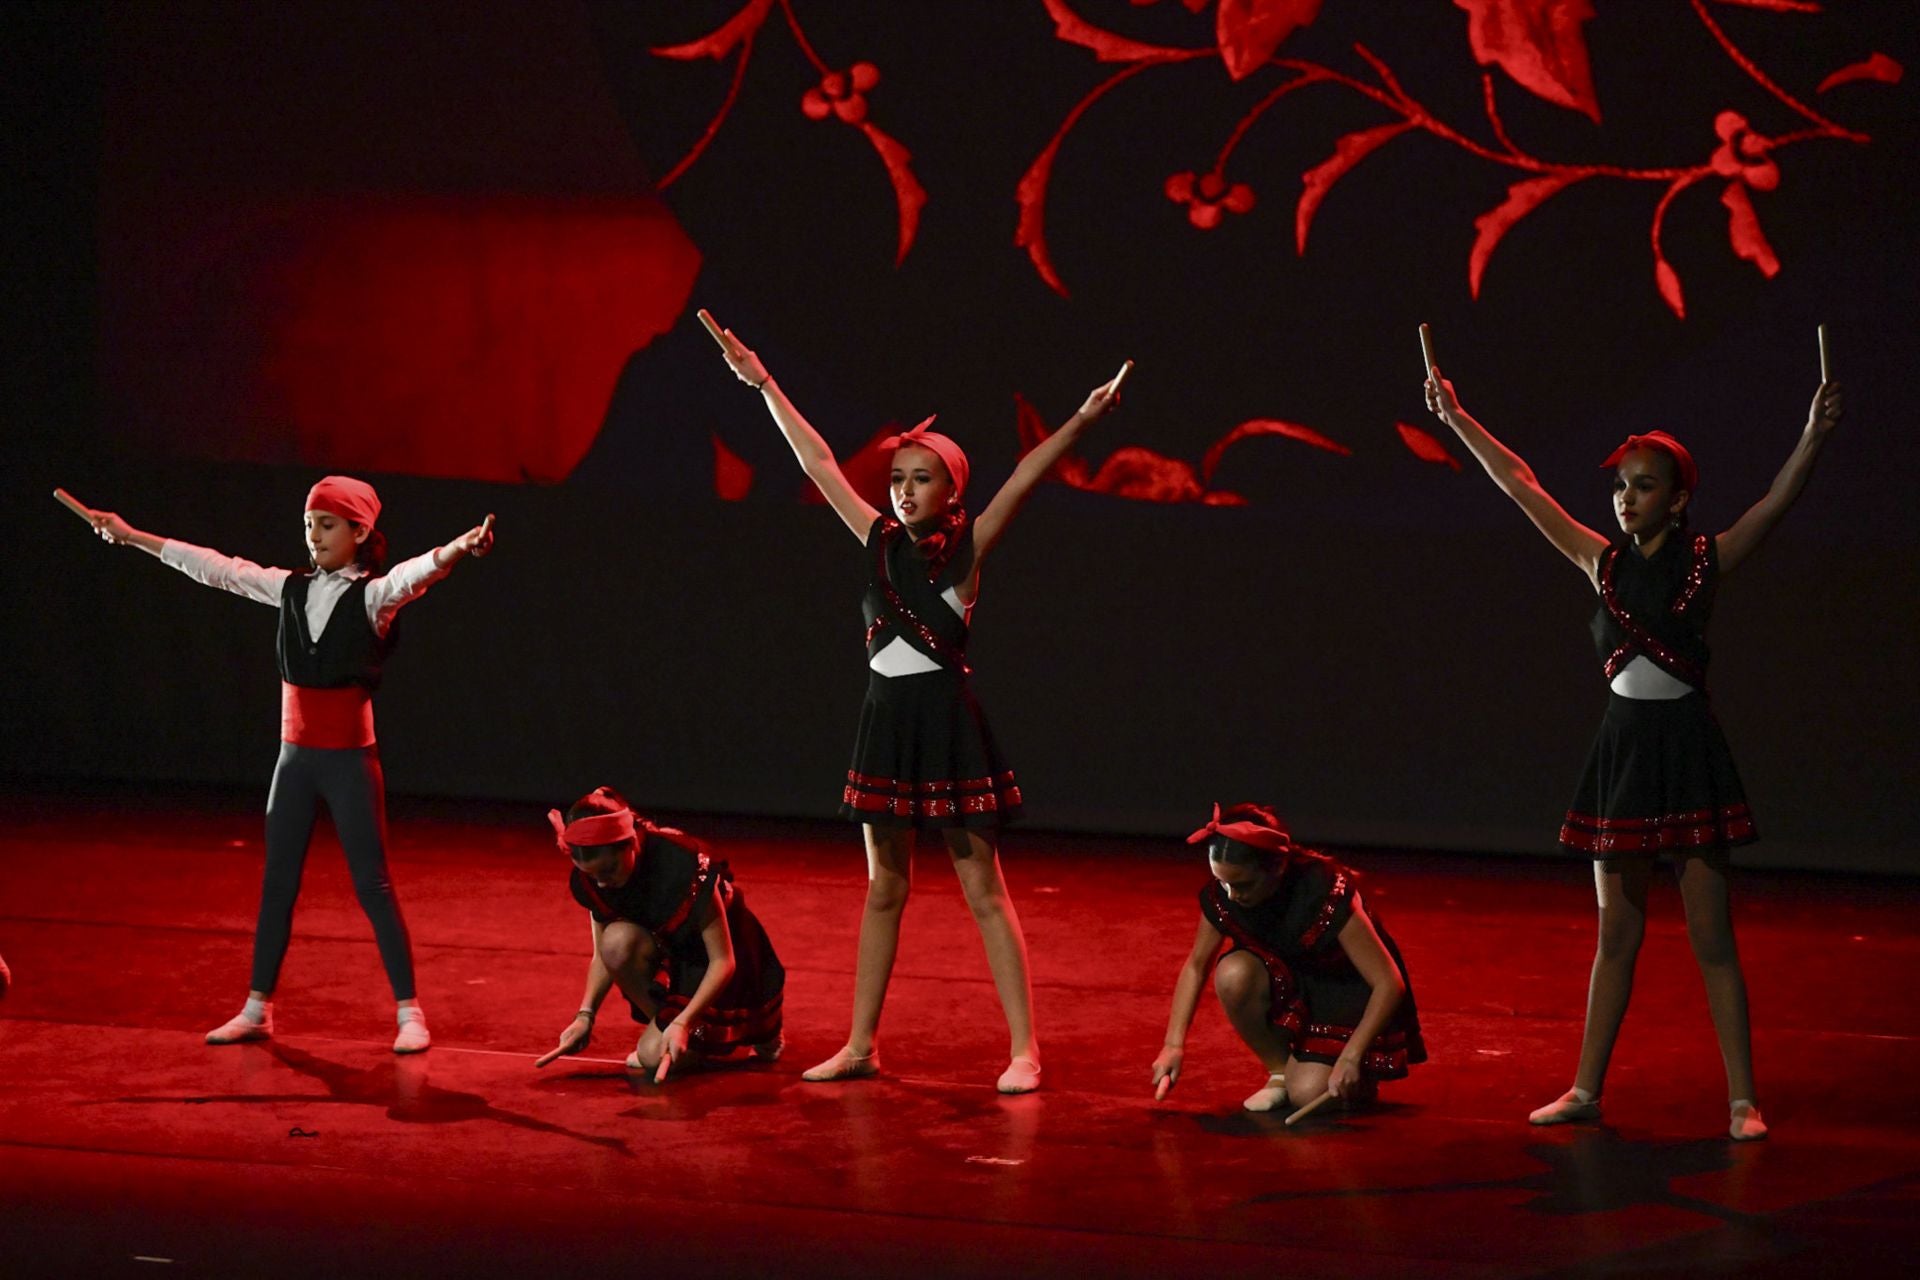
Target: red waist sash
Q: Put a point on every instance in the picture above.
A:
(326, 717)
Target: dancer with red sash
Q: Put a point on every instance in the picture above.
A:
(336, 629)
(924, 759)
(1659, 779)
(673, 932)
(1309, 978)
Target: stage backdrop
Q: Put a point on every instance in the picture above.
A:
(458, 249)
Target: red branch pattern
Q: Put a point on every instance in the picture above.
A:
(1538, 43)
(840, 95)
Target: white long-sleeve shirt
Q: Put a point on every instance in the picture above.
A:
(405, 582)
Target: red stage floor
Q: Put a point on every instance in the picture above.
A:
(127, 1147)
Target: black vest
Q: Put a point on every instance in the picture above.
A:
(346, 652)
(1658, 606)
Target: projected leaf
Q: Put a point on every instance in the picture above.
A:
(1539, 43)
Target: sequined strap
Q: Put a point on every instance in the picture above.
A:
(1696, 575)
(1638, 636)
(1213, 902)
(702, 877)
(1337, 894)
(897, 614)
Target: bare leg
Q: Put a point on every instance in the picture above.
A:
(1703, 891)
(1621, 886)
(889, 881)
(627, 951)
(977, 866)
(1246, 994)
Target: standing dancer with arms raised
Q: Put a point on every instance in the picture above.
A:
(336, 629)
(1659, 778)
(924, 758)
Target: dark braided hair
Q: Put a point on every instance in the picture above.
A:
(372, 553)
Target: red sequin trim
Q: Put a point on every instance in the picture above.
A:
(1697, 829)
(1387, 1057)
(1287, 1008)
(1696, 576)
(1640, 637)
(1336, 895)
(944, 799)
(699, 882)
(721, 1031)
(903, 616)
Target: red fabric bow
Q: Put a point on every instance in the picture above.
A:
(1689, 473)
(1248, 833)
(943, 447)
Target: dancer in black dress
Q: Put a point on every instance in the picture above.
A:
(673, 932)
(336, 630)
(1659, 778)
(1310, 979)
(924, 758)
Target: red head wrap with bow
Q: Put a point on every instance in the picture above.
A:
(1660, 440)
(1253, 834)
(347, 498)
(591, 829)
(943, 447)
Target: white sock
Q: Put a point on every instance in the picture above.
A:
(410, 1013)
(256, 1010)
(1582, 1095)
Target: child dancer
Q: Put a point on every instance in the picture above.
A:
(924, 758)
(1311, 982)
(672, 930)
(1659, 778)
(336, 623)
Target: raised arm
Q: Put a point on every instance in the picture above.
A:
(1510, 471)
(816, 458)
(992, 522)
(210, 568)
(1186, 1000)
(1369, 955)
(1739, 541)
(409, 580)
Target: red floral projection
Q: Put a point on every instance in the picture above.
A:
(1539, 44)
(840, 95)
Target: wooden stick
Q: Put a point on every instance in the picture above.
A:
(1113, 388)
(1826, 368)
(1160, 1090)
(1324, 1098)
(74, 505)
(713, 327)
(1426, 346)
(549, 1056)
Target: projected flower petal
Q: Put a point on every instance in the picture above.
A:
(1540, 44)
(1522, 198)
(1248, 31)
(1425, 447)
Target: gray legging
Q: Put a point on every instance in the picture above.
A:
(351, 783)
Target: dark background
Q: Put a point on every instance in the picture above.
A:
(423, 243)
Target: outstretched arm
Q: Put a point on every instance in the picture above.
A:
(1516, 479)
(210, 568)
(991, 523)
(409, 580)
(1738, 542)
(1186, 1000)
(816, 458)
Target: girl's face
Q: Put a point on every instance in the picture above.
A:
(333, 541)
(608, 865)
(921, 488)
(1248, 884)
(1645, 500)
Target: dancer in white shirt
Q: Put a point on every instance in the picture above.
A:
(336, 623)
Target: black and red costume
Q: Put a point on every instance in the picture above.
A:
(1660, 777)
(924, 756)
(673, 891)
(1318, 996)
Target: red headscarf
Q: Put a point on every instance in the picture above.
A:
(347, 498)
(943, 447)
(1247, 833)
(591, 829)
(1660, 440)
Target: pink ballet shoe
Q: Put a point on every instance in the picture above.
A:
(844, 1065)
(1021, 1076)
(1746, 1126)
(1567, 1109)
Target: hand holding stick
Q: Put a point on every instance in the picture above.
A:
(743, 362)
(74, 505)
(1113, 388)
(1426, 348)
(1310, 1108)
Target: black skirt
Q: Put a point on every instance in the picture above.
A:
(925, 758)
(1658, 780)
